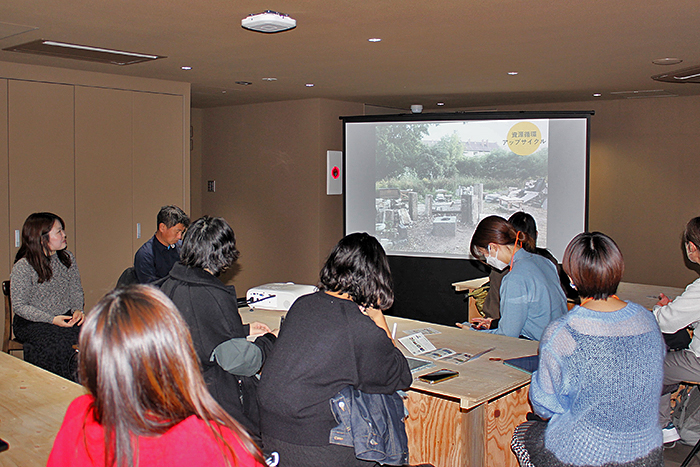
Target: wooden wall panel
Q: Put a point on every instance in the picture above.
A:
(441, 434)
(103, 200)
(434, 429)
(41, 148)
(502, 416)
(8, 242)
(159, 162)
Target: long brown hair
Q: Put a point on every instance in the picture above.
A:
(495, 229)
(35, 241)
(138, 361)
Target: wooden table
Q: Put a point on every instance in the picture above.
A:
(645, 295)
(466, 421)
(32, 405)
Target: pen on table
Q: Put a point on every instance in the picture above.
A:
(474, 357)
(393, 331)
(655, 297)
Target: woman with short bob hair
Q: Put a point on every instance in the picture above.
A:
(331, 339)
(359, 267)
(211, 245)
(599, 376)
(47, 296)
(594, 264)
(210, 308)
(497, 243)
(147, 402)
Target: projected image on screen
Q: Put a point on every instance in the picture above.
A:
(422, 187)
(434, 182)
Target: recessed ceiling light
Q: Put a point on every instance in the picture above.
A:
(269, 79)
(374, 39)
(244, 83)
(512, 73)
(440, 103)
(597, 94)
(186, 67)
(667, 61)
(309, 85)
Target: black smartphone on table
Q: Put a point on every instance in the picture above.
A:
(4, 446)
(438, 376)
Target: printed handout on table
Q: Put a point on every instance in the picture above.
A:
(424, 331)
(417, 343)
(457, 359)
(440, 353)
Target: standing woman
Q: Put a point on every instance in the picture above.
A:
(147, 403)
(599, 375)
(331, 339)
(531, 295)
(47, 296)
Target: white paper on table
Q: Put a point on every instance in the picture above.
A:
(440, 353)
(425, 331)
(417, 343)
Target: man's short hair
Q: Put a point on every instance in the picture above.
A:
(171, 216)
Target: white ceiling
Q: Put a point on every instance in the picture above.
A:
(454, 51)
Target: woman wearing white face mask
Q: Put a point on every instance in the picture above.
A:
(673, 315)
(531, 295)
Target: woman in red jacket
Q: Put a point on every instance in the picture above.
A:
(147, 402)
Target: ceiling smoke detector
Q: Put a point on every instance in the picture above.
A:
(269, 21)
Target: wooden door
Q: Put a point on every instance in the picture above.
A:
(7, 244)
(41, 147)
(159, 159)
(103, 188)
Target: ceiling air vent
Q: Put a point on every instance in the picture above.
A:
(82, 52)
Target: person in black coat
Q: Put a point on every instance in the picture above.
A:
(331, 339)
(229, 361)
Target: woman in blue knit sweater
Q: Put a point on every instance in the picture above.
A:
(600, 372)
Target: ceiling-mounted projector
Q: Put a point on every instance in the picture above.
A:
(269, 21)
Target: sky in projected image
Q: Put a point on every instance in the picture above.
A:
(493, 130)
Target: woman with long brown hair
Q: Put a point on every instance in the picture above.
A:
(147, 401)
(47, 296)
(531, 296)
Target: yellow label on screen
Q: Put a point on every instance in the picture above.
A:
(524, 138)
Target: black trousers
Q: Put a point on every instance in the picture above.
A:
(49, 346)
